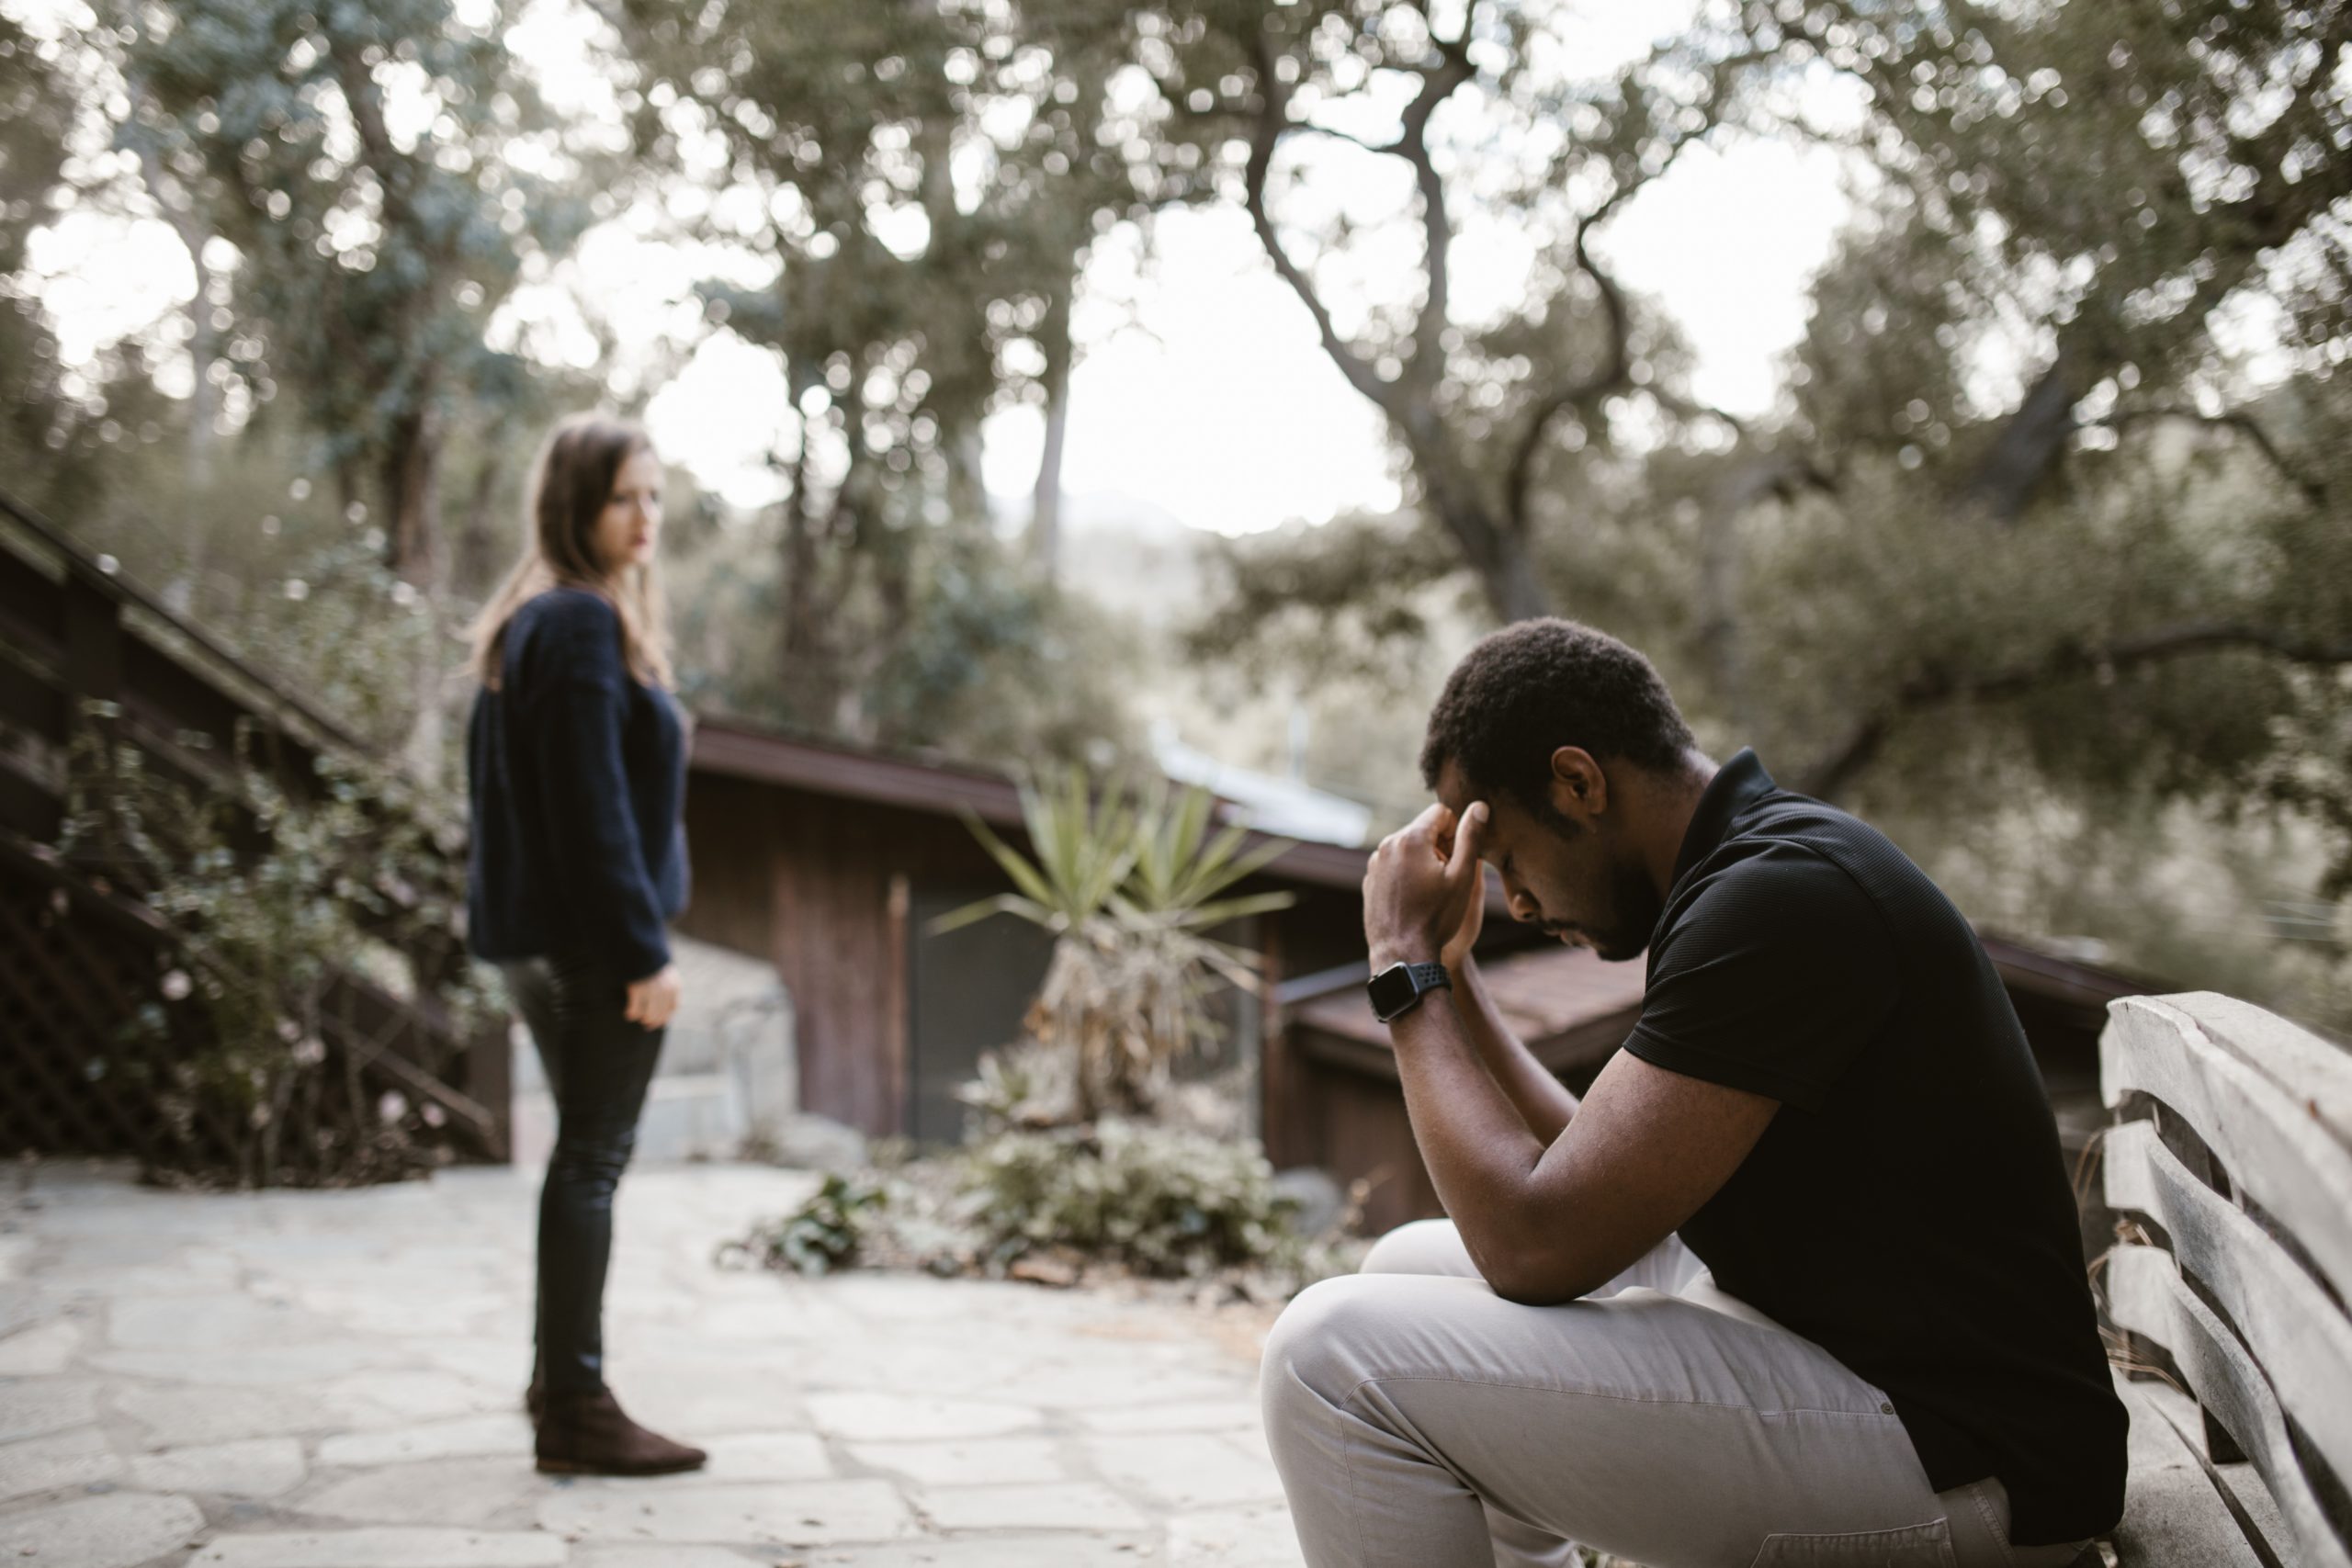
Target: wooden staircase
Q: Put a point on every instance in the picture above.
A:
(81, 648)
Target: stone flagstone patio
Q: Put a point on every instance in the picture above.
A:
(332, 1379)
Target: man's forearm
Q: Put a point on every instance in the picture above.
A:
(1543, 1101)
(1479, 1150)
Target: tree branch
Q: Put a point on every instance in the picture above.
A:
(2028, 445)
(1615, 371)
(2313, 490)
(1412, 145)
(1935, 687)
(1274, 122)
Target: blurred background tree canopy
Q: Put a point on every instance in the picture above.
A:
(2037, 555)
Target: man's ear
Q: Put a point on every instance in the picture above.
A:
(1579, 789)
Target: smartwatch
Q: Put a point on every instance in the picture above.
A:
(1396, 988)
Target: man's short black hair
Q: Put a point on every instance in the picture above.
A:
(1536, 687)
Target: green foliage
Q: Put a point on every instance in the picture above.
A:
(2023, 527)
(1352, 600)
(1144, 859)
(824, 1234)
(931, 179)
(994, 660)
(1159, 1202)
(360, 159)
(59, 428)
(1085, 843)
(985, 659)
(1129, 885)
(344, 627)
(273, 898)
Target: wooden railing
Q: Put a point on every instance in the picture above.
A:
(86, 654)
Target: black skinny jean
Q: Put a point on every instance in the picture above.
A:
(598, 1063)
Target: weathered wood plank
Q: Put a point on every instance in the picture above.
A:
(2277, 1148)
(2303, 1342)
(2257, 1511)
(2317, 1072)
(2172, 1514)
(2146, 1295)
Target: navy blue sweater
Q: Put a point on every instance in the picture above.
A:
(577, 775)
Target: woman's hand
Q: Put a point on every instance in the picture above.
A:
(653, 999)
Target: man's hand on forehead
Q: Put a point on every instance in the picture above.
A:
(1417, 888)
(1445, 823)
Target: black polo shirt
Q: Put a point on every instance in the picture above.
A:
(1907, 1210)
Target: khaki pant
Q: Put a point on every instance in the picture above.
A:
(1421, 1421)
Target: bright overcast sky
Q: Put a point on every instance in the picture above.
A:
(1201, 390)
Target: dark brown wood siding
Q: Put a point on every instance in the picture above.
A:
(808, 880)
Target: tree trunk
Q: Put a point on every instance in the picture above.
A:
(413, 498)
(968, 494)
(1046, 508)
(807, 694)
(204, 394)
(474, 570)
(1497, 554)
(2029, 445)
(1719, 643)
(413, 549)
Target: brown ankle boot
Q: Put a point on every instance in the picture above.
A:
(587, 1434)
(534, 1398)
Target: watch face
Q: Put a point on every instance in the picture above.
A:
(1392, 991)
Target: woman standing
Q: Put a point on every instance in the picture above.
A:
(576, 766)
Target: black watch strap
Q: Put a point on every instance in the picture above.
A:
(1418, 981)
(1428, 976)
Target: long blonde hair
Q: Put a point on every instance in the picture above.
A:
(570, 482)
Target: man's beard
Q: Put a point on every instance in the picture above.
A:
(1636, 907)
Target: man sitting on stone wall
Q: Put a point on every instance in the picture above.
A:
(1798, 1280)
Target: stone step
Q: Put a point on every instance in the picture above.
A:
(687, 1116)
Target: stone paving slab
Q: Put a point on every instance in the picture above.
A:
(1068, 1505)
(1066, 1550)
(71, 1458)
(505, 1432)
(256, 1467)
(39, 1405)
(395, 1548)
(784, 1514)
(977, 1462)
(117, 1530)
(332, 1379)
(478, 1490)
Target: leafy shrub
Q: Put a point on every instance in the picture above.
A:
(273, 898)
(824, 1234)
(1160, 1201)
(1130, 883)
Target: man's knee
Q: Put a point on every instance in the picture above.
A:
(1315, 1353)
(1419, 1246)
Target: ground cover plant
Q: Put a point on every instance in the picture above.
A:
(1114, 1200)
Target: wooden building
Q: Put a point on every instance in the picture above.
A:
(833, 861)
(1333, 1097)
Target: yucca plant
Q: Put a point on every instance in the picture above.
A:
(1130, 883)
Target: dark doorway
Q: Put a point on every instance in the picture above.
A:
(968, 990)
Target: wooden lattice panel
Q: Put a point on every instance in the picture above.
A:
(67, 985)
